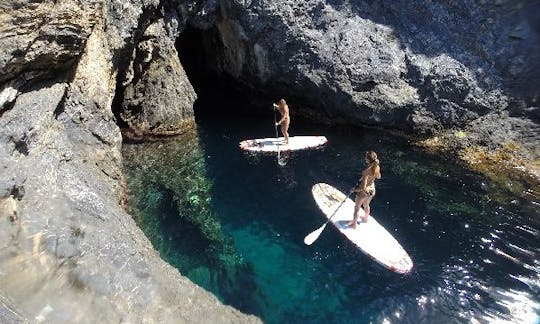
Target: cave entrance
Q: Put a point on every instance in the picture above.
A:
(199, 51)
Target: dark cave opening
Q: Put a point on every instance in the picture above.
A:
(202, 54)
(199, 52)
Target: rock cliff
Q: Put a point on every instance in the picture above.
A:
(426, 68)
(69, 252)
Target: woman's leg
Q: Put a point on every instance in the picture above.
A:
(285, 130)
(357, 203)
(367, 208)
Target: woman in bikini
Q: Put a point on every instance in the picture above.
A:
(365, 189)
(285, 118)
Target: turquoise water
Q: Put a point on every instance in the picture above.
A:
(474, 242)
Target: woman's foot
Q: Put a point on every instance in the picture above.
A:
(351, 224)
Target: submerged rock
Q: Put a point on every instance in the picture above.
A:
(171, 200)
(174, 168)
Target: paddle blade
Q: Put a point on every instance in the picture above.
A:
(282, 161)
(313, 236)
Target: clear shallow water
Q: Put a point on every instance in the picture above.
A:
(475, 245)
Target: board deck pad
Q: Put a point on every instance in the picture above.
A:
(370, 236)
(274, 144)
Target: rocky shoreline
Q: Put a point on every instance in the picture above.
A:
(492, 144)
(73, 73)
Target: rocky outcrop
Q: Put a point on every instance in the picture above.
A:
(64, 236)
(41, 38)
(378, 64)
(68, 251)
(158, 97)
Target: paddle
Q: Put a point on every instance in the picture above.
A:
(313, 236)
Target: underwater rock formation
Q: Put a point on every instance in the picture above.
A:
(170, 198)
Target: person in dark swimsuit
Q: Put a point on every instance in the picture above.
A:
(285, 120)
(365, 189)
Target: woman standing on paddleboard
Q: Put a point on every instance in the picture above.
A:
(285, 119)
(365, 189)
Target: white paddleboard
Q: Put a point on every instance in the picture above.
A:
(278, 144)
(369, 236)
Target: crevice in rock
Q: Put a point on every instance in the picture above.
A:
(60, 108)
(365, 86)
(414, 78)
(21, 146)
(17, 192)
(7, 106)
(193, 55)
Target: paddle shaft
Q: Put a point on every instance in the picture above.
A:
(277, 134)
(344, 200)
(313, 236)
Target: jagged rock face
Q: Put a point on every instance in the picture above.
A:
(414, 65)
(158, 98)
(68, 251)
(45, 39)
(42, 37)
(399, 64)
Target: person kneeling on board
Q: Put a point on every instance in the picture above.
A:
(365, 189)
(285, 120)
